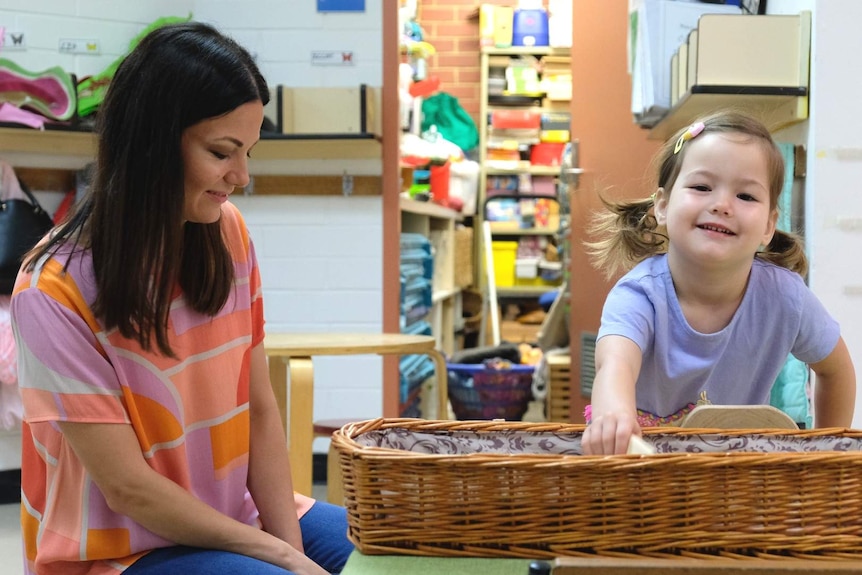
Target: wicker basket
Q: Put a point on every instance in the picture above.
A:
(503, 489)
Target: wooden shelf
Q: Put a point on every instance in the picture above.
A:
(51, 142)
(428, 209)
(532, 170)
(438, 225)
(526, 51)
(511, 229)
(444, 294)
(76, 149)
(525, 291)
(776, 107)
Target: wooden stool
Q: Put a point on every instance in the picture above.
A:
(334, 484)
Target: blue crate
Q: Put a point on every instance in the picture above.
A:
(493, 390)
(413, 371)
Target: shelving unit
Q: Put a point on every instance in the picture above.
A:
(772, 85)
(776, 107)
(62, 151)
(438, 225)
(520, 166)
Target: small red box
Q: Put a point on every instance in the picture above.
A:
(546, 153)
(515, 119)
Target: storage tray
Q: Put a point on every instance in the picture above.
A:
(508, 489)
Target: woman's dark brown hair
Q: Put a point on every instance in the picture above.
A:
(132, 216)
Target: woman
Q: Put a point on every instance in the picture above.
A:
(153, 442)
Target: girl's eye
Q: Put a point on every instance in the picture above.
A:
(746, 197)
(700, 188)
(219, 155)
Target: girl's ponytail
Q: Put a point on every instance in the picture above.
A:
(627, 233)
(788, 251)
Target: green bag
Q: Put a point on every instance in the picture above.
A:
(92, 89)
(452, 121)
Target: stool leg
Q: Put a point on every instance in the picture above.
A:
(442, 383)
(300, 434)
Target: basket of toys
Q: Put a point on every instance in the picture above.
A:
(515, 489)
(494, 389)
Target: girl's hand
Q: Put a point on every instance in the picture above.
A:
(609, 433)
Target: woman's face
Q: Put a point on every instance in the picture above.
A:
(215, 159)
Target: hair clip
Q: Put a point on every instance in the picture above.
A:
(690, 133)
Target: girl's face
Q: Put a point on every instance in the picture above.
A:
(215, 159)
(719, 210)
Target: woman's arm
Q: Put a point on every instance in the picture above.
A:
(112, 456)
(834, 388)
(269, 475)
(614, 413)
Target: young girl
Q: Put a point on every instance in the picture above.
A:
(716, 298)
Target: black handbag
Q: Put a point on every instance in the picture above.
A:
(22, 225)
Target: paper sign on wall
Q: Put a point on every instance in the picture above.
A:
(332, 58)
(341, 5)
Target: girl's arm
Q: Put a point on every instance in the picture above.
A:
(614, 414)
(269, 475)
(834, 388)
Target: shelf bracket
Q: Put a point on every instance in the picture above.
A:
(347, 184)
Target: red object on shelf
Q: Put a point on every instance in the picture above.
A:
(425, 87)
(440, 183)
(515, 119)
(546, 154)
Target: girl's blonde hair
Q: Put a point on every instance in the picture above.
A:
(627, 232)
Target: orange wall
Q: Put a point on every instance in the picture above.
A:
(614, 151)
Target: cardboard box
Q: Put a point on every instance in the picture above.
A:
(762, 50)
(326, 110)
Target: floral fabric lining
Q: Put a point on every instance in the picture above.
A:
(539, 442)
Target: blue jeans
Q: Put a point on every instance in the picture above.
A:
(324, 537)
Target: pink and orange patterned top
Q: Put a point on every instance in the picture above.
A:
(190, 414)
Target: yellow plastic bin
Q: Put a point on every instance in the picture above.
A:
(504, 262)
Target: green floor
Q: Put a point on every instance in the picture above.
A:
(360, 564)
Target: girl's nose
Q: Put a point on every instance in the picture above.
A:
(720, 204)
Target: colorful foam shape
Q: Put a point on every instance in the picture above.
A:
(50, 92)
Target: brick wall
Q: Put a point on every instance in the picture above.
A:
(452, 27)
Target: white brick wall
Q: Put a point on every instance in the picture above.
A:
(320, 257)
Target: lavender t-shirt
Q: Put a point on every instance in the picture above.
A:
(735, 366)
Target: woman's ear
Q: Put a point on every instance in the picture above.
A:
(660, 199)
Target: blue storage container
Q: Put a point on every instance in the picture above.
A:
(530, 28)
(413, 371)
